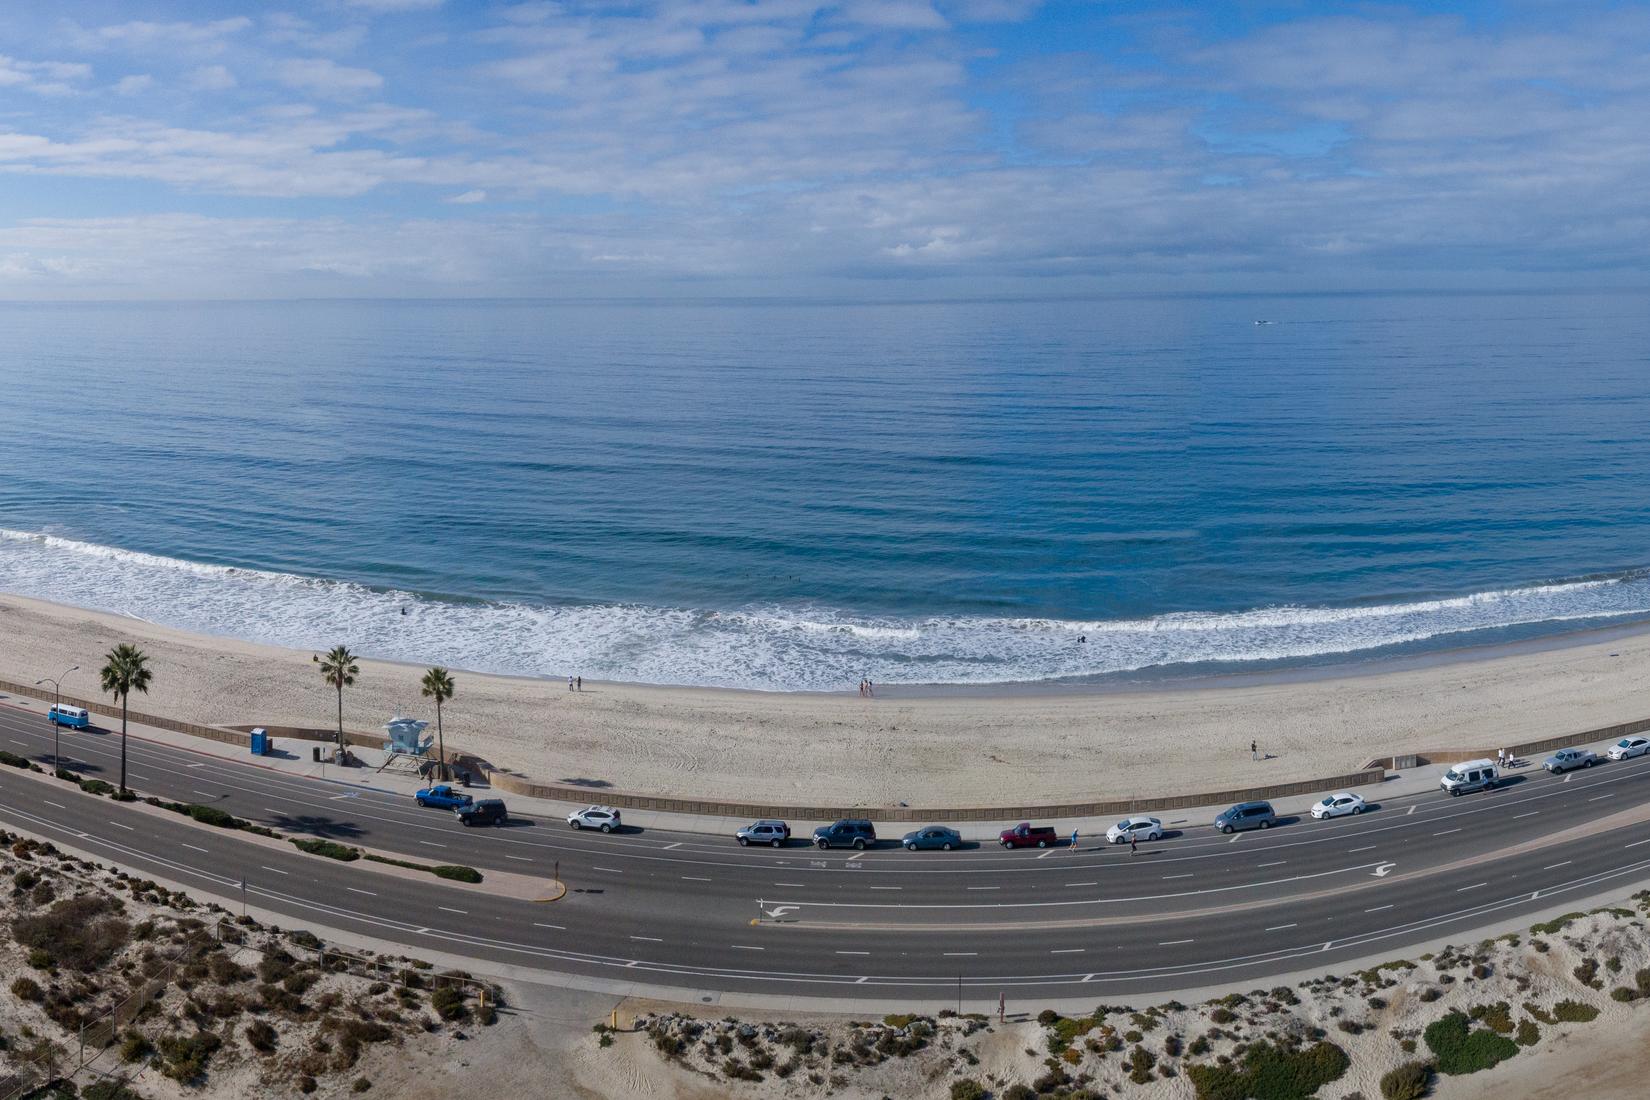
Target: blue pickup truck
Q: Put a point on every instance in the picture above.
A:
(442, 796)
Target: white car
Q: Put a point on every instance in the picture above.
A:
(1137, 828)
(1629, 747)
(1337, 804)
(605, 818)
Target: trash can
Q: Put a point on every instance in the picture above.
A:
(315, 754)
(464, 776)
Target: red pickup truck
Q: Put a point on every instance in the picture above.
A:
(1027, 835)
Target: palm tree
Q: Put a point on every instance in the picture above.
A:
(438, 685)
(338, 668)
(125, 673)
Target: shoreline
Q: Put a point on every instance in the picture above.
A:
(955, 746)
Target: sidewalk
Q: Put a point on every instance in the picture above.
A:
(295, 759)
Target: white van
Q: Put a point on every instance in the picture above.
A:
(1469, 775)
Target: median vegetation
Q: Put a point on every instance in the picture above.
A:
(346, 854)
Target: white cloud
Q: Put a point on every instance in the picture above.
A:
(210, 78)
(144, 35)
(394, 5)
(898, 14)
(49, 78)
(135, 84)
(468, 197)
(327, 78)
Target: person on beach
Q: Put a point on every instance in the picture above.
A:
(1254, 751)
(580, 682)
(862, 687)
(570, 683)
(870, 690)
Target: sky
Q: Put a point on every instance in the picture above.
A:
(864, 149)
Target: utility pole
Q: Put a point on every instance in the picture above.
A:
(57, 699)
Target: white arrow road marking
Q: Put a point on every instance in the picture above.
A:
(1384, 869)
(779, 910)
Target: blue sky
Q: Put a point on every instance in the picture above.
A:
(865, 148)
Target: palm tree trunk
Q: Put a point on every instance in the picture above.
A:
(340, 717)
(122, 742)
(440, 739)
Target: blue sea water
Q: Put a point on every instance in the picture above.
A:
(795, 495)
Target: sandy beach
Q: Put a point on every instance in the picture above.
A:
(967, 749)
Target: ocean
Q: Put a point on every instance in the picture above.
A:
(793, 495)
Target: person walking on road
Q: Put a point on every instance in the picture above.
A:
(1134, 843)
(1074, 840)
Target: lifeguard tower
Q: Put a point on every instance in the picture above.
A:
(407, 746)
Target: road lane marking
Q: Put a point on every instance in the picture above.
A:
(787, 884)
(131, 829)
(694, 878)
(1446, 832)
(557, 927)
(1377, 909)
(1069, 884)
(611, 870)
(1173, 943)
(1595, 798)
(353, 890)
(460, 912)
(1068, 950)
(960, 954)
(139, 778)
(885, 887)
(985, 887)
(1365, 848)
(1235, 838)
(743, 947)
(1186, 875)
(1474, 886)
(1411, 810)
(206, 794)
(678, 844)
(1276, 863)
(277, 813)
(194, 765)
(1279, 927)
(431, 844)
(523, 859)
(649, 939)
(1550, 866)
(852, 952)
(1531, 813)
(49, 802)
(277, 870)
(1636, 843)
(191, 846)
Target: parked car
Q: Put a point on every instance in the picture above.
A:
(847, 833)
(932, 836)
(764, 832)
(1246, 815)
(489, 811)
(605, 818)
(1569, 759)
(1337, 805)
(443, 796)
(1629, 747)
(1470, 775)
(1027, 835)
(1135, 828)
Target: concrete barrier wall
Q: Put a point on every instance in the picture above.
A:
(1521, 749)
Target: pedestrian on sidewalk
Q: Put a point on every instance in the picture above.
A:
(1500, 758)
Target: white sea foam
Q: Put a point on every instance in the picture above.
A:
(781, 648)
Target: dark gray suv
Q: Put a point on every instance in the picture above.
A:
(847, 833)
(1246, 815)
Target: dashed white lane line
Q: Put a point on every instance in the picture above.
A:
(678, 844)
(1048, 853)
(1235, 838)
(1068, 950)
(557, 927)
(1279, 927)
(1446, 832)
(985, 887)
(431, 844)
(1187, 875)
(1550, 866)
(49, 802)
(960, 954)
(1275, 863)
(1365, 848)
(694, 878)
(194, 765)
(787, 884)
(1082, 884)
(1595, 798)
(15, 741)
(852, 952)
(353, 890)
(1636, 843)
(277, 870)
(277, 813)
(205, 794)
(132, 829)
(649, 939)
(1173, 943)
(460, 912)
(522, 859)
(1530, 813)
(194, 848)
(1378, 908)
(885, 887)
(139, 778)
(1474, 886)
(743, 947)
(611, 870)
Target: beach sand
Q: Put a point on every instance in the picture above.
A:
(967, 749)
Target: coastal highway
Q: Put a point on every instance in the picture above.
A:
(676, 909)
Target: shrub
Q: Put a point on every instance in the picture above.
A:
(1410, 1081)
(306, 1084)
(1586, 971)
(211, 815)
(13, 759)
(330, 849)
(1496, 1017)
(1528, 1033)
(1047, 1017)
(456, 873)
(1460, 1049)
(262, 1037)
(968, 1089)
(1019, 1092)
(185, 1058)
(108, 1090)
(80, 933)
(361, 1084)
(1574, 1012)
(1270, 1071)
(1623, 993)
(448, 1002)
(135, 1047)
(27, 989)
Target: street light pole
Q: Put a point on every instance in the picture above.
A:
(57, 699)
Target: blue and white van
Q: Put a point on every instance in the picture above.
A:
(74, 717)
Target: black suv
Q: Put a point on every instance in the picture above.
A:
(855, 833)
(489, 811)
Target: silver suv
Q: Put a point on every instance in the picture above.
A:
(764, 832)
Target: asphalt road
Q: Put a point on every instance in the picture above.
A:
(676, 909)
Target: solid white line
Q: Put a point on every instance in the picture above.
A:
(1377, 909)
(277, 813)
(613, 870)
(353, 890)
(787, 884)
(884, 887)
(1279, 927)
(130, 829)
(208, 794)
(1068, 950)
(852, 952)
(194, 765)
(1365, 848)
(985, 887)
(1446, 832)
(1474, 886)
(15, 741)
(139, 778)
(650, 939)
(460, 912)
(1550, 866)
(1636, 843)
(277, 870)
(1235, 838)
(1048, 853)
(678, 844)
(49, 802)
(1172, 943)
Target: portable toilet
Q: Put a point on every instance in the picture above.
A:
(260, 742)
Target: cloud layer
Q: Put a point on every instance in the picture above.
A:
(406, 146)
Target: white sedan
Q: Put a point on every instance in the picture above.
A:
(1337, 804)
(1136, 828)
(1629, 747)
(605, 818)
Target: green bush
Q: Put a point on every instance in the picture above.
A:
(27, 989)
(211, 815)
(96, 786)
(1410, 1081)
(1528, 1033)
(328, 848)
(968, 1089)
(448, 1002)
(13, 759)
(108, 1090)
(1624, 993)
(80, 933)
(1574, 1012)
(1460, 1049)
(456, 873)
(1269, 1071)
(184, 1058)
(135, 1047)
